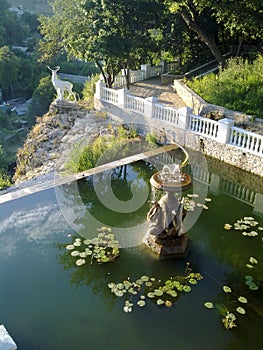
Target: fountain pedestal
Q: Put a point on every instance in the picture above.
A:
(166, 234)
(165, 250)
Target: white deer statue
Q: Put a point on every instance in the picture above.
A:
(61, 85)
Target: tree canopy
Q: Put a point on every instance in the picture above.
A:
(113, 34)
(122, 33)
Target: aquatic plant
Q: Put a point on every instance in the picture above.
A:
(190, 203)
(229, 308)
(103, 249)
(248, 225)
(150, 288)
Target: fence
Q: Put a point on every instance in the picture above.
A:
(249, 141)
(147, 71)
(222, 131)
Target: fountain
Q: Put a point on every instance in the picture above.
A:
(166, 234)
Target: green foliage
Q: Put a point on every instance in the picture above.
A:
(229, 308)
(237, 87)
(4, 179)
(41, 99)
(103, 249)
(90, 89)
(161, 293)
(3, 160)
(152, 139)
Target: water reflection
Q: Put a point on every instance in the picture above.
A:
(32, 225)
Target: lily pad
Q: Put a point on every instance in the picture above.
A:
(227, 289)
(158, 292)
(145, 278)
(70, 247)
(241, 310)
(141, 303)
(168, 303)
(253, 260)
(242, 300)
(80, 262)
(173, 293)
(253, 286)
(209, 305)
(127, 308)
(160, 302)
(148, 284)
(192, 281)
(187, 289)
(227, 227)
(75, 253)
(150, 295)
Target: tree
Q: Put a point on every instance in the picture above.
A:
(8, 70)
(109, 33)
(200, 20)
(242, 20)
(41, 99)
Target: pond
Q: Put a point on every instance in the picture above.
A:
(48, 302)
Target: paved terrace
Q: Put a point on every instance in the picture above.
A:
(153, 87)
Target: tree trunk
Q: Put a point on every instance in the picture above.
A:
(127, 77)
(203, 35)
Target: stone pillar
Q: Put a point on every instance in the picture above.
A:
(162, 64)
(146, 70)
(121, 97)
(224, 127)
(98, 94)
(148, 106)
(183, 117)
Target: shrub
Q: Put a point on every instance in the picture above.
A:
(4, 180)
(237, 87)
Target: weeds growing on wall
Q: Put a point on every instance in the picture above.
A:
(117, 143)
(238, 87)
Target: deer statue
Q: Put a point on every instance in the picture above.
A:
(61, 85)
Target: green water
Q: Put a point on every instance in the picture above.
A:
(48, 305)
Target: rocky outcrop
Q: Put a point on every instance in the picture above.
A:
(51, 139)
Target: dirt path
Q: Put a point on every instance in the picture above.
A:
(154, 87)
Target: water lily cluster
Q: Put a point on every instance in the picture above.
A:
(102, 249)
(228, 310)
(248, 225)
(190, 203)
(149, 288)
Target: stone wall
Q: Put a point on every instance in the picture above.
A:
(225, 153)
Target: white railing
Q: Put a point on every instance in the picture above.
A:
(204, 126)
(136, 75)
(222, 131)
(133, 103)
(109, 95)
(249, 141)
(155, 71)
(120, 81)
(166, 114)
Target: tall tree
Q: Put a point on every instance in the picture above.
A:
(199, 19)
(109, 33)
(240, 19)
(8, 70)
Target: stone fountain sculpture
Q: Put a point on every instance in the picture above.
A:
(166, 234)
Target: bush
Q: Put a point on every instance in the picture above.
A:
(238, 87)
(4, 180)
